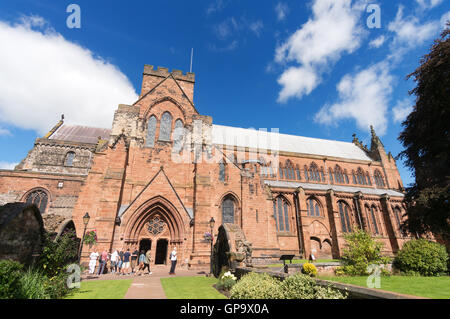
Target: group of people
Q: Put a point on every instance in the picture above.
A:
(126, 263)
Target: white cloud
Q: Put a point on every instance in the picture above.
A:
(216, 6)
(444, 19)
(410, 31)
(334, 29)
(281, 10)
(428, 4)
(364, 97)
(43, 75)
(401, 110)
(256, 27)
(4, 131)
(7, 165)
(378, 42)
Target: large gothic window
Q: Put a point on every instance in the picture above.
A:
(374, 220)
(313, 208)
(281, 214)
(69, 159)
(38, 198)
(178, 136)
(165, 128)
(398, 217)
(344, 212)
(379, 181)
(330, 175)
(228, 210)
(313, 173)
(151, 131)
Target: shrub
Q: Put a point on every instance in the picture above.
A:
(257, 286)
(361, 251)
(34, 285)
(10, 274)
(57, 255)
(309, 269)
(301, 286)
(422, 257)
(226, 281)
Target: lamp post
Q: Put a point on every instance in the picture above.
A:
(86, 218)
(211, 225)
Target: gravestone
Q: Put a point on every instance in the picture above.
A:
(21, 232)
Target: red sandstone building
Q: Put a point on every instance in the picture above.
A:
(162, 171)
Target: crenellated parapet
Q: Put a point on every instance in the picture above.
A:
(164, 72)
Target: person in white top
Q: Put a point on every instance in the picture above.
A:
(92, 261)
(173, 259)
(114, 261)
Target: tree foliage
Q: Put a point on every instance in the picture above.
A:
(426, 139)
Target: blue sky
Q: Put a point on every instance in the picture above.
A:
(311, 68)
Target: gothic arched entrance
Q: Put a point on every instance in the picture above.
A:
(155, 225)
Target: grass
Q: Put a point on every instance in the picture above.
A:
(191, 288)
(101, 289)
(302, 261)
(430, 287)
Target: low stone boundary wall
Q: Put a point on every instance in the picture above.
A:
(354, 292)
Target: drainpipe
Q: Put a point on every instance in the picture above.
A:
(119, 202)
(299, 226)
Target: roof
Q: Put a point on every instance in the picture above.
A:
(337, 188)
(235, 136)
(82, 134)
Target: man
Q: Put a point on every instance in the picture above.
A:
(103, 261)
(114, 261)
(120, 264)
(173, 259)
(92, 261)
(134, 258)
(126, 262)
(148, 259)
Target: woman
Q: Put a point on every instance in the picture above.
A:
(141, 263)
(114, 261)
(173, 259)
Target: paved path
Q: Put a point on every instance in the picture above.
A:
(147, 286)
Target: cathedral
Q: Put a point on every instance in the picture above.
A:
(163, 171)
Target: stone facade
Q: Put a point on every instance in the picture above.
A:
(161, 164)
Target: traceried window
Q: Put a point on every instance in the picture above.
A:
(346, 177)
(374, 220)
(361, 177)
(165, 129)
(289, 171)
(344, 212)
(178, 136)
(69, 159)
(379, 180)
(297, 171)
(313, 208)
(38, 198)
(368, 179)
(151, 132)
(398, 218)
(338, 176)
(228, 210)
(222, 171)
(314, 174)
(281, 214)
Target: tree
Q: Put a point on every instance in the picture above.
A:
(427, 143)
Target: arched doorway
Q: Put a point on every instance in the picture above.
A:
(155, 225)
(161, 252)
(145, 244)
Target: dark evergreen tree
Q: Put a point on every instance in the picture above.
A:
(427, 143)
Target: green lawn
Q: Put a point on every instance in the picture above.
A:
(191, 288)
(302, 261)
(101, 289)
(430, 287)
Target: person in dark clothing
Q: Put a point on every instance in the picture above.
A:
(134, 259)
(126, 262)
